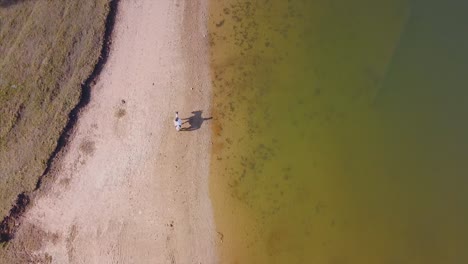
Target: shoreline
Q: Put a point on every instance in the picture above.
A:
(128, 187)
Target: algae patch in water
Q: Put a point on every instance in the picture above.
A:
(309, 165)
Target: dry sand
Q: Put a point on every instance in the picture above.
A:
(129, 188)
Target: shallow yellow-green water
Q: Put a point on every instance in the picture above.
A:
(340, 131)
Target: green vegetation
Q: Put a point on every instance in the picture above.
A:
(47, 51)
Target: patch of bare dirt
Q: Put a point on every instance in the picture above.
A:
(128, 187)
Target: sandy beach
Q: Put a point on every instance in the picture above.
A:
(128, 188)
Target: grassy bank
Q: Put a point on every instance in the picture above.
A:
(47, 51)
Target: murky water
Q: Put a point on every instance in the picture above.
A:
(341, 131)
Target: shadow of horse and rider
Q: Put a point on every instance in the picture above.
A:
(195, 121)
